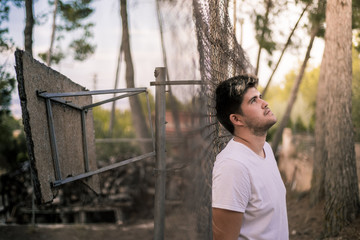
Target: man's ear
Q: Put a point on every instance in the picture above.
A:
(236, 119)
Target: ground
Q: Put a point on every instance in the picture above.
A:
(305, 222)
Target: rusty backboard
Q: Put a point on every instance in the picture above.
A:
(34, 77)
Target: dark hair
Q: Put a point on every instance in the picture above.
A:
(229, 96)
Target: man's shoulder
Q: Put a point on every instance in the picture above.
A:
(233, 152)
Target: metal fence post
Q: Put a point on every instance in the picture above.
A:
(160, 170)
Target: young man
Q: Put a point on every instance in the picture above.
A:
(248, 194)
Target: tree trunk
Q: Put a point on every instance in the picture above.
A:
(320, 154)
(283, 51)
(341, 182)
(141, 129)
(284, 121)
(113, 106)
(29, 25)
(48, 57)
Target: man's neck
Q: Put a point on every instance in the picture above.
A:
(252, 141)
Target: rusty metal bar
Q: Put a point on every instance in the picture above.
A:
(100, 170)
(89, 93)
(66, 103)
(84, 141)
(54, 149)
(111, 100)
(178, 82)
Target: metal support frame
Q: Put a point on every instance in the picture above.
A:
(159, 141)
(57, 97)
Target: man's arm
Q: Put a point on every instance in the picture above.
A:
(226, 224)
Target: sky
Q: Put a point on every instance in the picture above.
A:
(145, 44)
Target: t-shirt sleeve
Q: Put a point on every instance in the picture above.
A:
(231, 187)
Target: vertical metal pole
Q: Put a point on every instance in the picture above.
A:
(160, 171)
(54, 150)
(85, 148)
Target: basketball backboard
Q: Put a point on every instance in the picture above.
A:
(55, 141)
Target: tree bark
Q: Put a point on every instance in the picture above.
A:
(317, 191)
(294, 91)
(141, 129)
(29, 25)
(113, 106)
(341, 182)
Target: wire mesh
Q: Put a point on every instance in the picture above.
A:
(221, 57)
(191, 152)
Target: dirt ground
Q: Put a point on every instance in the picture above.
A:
(304, 223)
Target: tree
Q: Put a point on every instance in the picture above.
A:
(52, 38)
(5, 41)
(264, 32)
(284, 49)
(338, 155)
(138, 117)
(73, 13)
(317, 192)
(113, 105)
(29, 25)
(7, 84)
(316, 18)
(12, 146)
(173, 103)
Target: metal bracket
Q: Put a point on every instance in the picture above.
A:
(58, 98)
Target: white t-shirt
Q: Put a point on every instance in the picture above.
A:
(245, 182)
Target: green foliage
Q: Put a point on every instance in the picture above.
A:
(12, 143)
(5, 42)
(355, 14)
(263, 31)
(122, 129)
(303, 114)
(122, 126)
(7, 84)
(73, 12)
(73, 16)
(56, 56)
(317, 16)
(82, 49)
(12, 138)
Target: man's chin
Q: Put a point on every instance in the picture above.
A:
(272, 123)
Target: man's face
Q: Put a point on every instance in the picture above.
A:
(257, 115)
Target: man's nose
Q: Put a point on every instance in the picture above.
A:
(264, 104)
